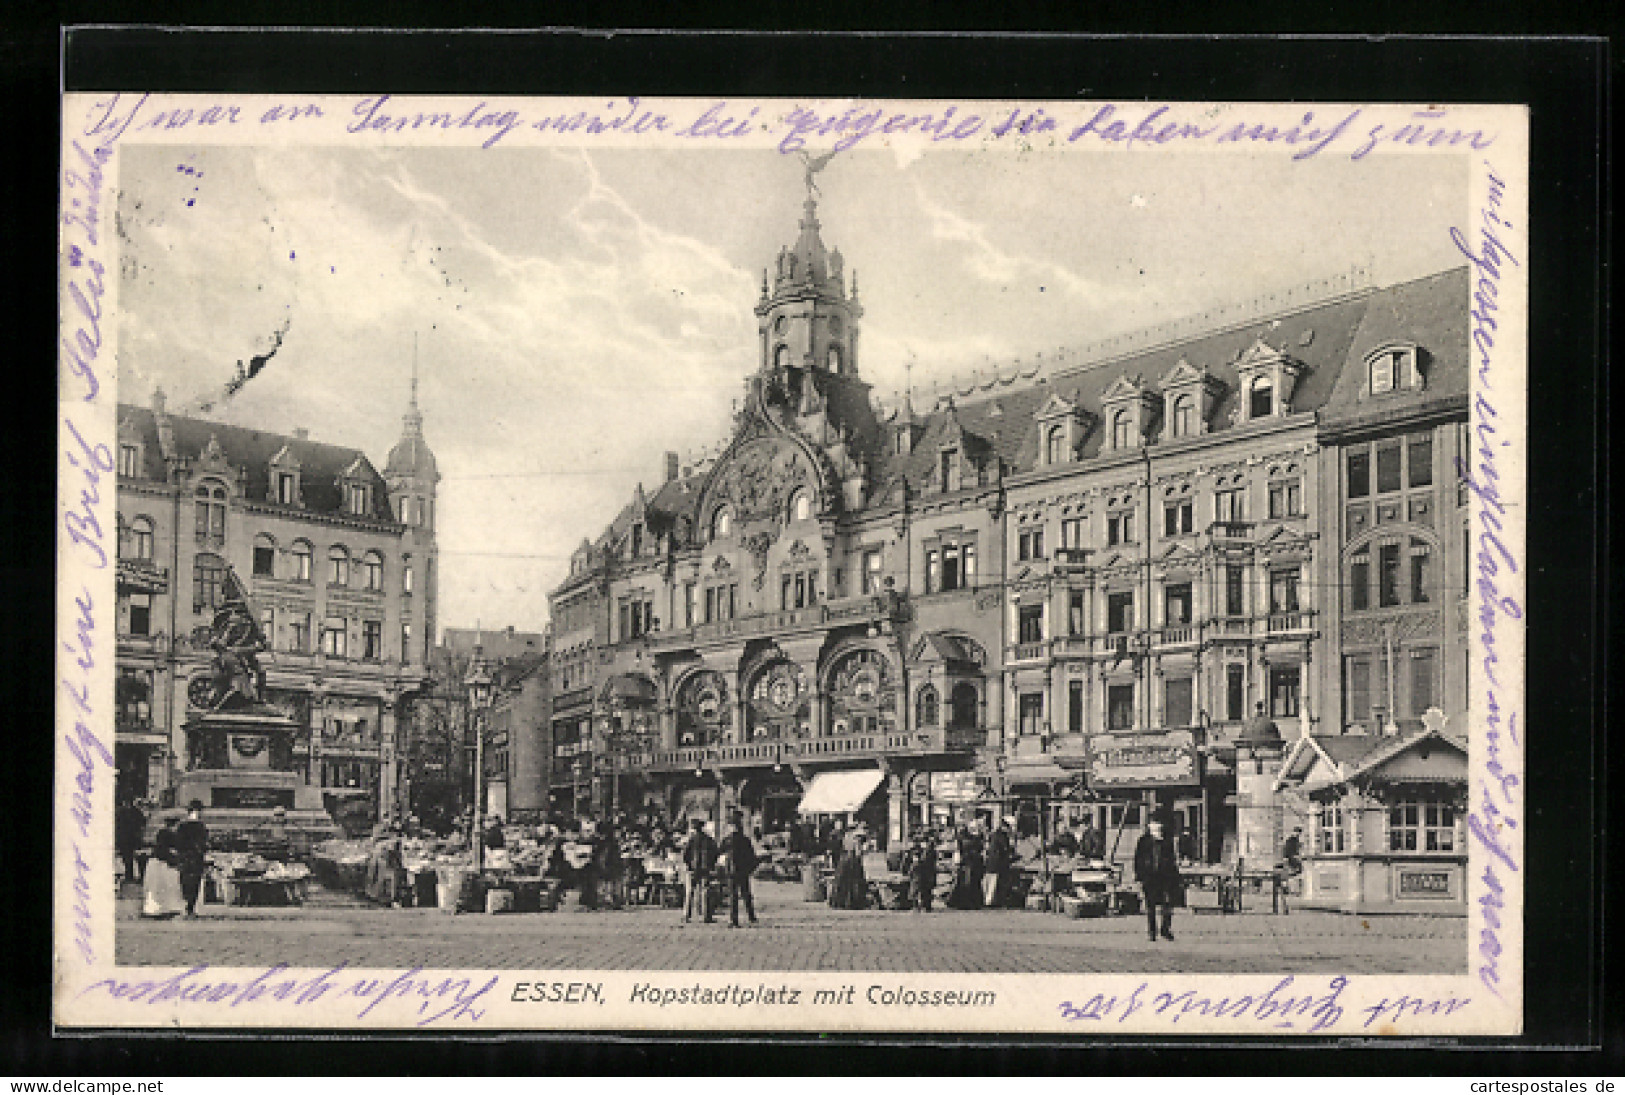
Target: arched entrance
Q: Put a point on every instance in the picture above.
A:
(778, 702)
(704, 711)
(862, 688)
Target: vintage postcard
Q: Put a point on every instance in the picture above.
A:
(887, 566)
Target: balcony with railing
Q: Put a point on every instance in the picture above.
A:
(1297, 620)
(847, 610)
(1029, 651)
(1230, 531)
(859, 745)
(1177, 634)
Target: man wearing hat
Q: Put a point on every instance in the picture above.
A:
(192, 851)
(1156, 867)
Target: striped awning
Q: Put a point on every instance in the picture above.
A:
(840, 792)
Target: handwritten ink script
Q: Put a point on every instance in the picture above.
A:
(1284, 1006)
(1351, 132)
(453, 997)
(1497, 811)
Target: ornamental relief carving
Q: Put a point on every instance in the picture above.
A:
(1405, 626)
(761, 479)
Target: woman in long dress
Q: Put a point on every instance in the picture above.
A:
(967, 891)
(161, 895)
(851, 888)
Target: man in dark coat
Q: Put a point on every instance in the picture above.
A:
(1156, 867)
(192, 852)
(700, 857)
(742, 860)
(1001, 859)
(129, 825)
(920, 865)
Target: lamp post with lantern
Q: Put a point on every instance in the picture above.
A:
(479, 683)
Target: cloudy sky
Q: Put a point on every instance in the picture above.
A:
(576, 314)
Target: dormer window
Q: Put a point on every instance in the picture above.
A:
(1260, 398)
(722, 524)
(1392, 368)
(1184, 416)
(948, 468)
(357, 499)
(1055, 445)
(635, 543)
(1122, 430)
(129, 461)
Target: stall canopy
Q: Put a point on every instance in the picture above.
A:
(840, 792)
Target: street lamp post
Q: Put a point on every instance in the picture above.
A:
(478, 682)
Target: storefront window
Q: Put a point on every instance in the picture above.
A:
(1424, 826)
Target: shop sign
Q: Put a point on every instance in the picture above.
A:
(1424, 884)
(250, 798)
(953, 786)
(1164, 759)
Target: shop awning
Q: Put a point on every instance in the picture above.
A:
(840, 792)
(628, 688)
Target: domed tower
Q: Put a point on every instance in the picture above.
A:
(411, 476)
(807, 320)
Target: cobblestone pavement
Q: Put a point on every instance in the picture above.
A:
(793, 935)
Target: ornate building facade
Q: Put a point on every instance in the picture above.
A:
(340, 565)
(962, 605)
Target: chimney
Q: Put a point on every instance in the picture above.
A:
(301, 434)
(671, 466)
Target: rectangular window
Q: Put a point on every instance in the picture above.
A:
(951, 579)
(1030, 624)
(1235, 592)
(1388, 575)
(1438, 827)
(710, 604)
(1038, 543)
(1420, 458)
(1285, 499)
(1360, 581)
(1176, 702)
(1424, 691)
(335, 639)
(1120, 527)
(626, 621)
(1329, 822)
(1072, 532)
(1359, 474)
(1032, 713)
(1176, 518)
(1284, 590)
(1388, 467)
(1404, 826)
(1357, 688)
(1120, 708)
(357, 500)
(141, 614)
(785, 584)
(1177, 605)
(1421, 572)
(264, 561)
(406, 642)
(1119, 612)
(1076, 624)
(284, 488)
(372, 639)
(933, 571)
(406, 579)
(299, 633)
(1074, 707)
(1286, 688)
(1235, 692)
(967, 553)
(871, 572)
(1230, 505)
(948, 466)
(268, 624)
(733, 599)
(128, 461)
(1382, 373)
(690, 599)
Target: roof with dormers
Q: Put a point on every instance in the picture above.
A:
(322, 467)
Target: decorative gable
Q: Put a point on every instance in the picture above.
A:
(1267, 377)
(1062, 426)
(1189, 394)
(1130, 409)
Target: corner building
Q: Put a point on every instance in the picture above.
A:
(339, 561)
(909, 616)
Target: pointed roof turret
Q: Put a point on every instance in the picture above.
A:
(411, 458)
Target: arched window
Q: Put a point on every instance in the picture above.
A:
(301, 554)
(208, 582)
(372, 572)
(140, 536)
(834, 359)
(966, 703)
(926, 707)
(801, 505)
(409, 511)
(264, 556)
(1261, 398)
(722, 523)
(1055, 445)
(1184, 416)
(338, 566)
(211, 512)
(1121, 427)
